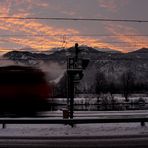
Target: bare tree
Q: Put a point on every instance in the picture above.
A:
(127, 80)
(101, 83)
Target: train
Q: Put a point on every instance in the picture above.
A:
(24, 91)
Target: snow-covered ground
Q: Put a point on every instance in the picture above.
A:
(105, 129)
(97, 129)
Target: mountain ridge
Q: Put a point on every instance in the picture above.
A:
(112, 65)
(141, 50)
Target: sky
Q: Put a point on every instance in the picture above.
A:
(42, 35)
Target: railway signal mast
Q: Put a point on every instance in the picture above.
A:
(75, 67)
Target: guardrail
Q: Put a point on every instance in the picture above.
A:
(71, 122)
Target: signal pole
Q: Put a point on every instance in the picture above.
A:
(75, 66)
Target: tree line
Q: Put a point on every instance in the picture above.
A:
(125, 84)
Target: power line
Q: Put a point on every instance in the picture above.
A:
(97, 42)
(77, 19)
(67, 35)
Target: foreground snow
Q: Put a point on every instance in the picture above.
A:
(77, 130)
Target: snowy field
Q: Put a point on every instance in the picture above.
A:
(78, 130)
(92, 99)
(97, 129)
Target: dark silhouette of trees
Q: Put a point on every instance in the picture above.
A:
(127, 81)
(103, 86)
(101, 83)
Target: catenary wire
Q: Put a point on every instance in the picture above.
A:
(77, 19)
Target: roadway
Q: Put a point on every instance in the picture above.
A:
(137, 141)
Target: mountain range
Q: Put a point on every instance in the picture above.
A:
(112, 63)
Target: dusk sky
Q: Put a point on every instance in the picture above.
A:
(46, 34)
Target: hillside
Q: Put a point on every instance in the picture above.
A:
(112, 65)
(142, 50)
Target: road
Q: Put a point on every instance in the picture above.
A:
(75, 142)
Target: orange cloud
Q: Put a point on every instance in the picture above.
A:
(112, 5)
(34, 28)
(7, 5)
(129, 41)
(39, 3)
(52, 36)
(5, 8)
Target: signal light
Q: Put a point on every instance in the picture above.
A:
(77, 73)
(85, 63)
(78, 76)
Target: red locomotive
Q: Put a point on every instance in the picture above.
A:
(23, 91)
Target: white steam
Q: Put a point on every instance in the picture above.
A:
(52, 70)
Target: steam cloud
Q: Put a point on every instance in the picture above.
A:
(52, 70)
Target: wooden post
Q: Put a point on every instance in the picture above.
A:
(142, 123)
(3, 125)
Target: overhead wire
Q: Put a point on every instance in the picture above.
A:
(77, 19)
(106, 35)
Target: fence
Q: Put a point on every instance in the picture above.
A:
(5, 121)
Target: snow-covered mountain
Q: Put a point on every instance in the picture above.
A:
(59, 54)
(142, 50)
(112, 64)
(107, 50)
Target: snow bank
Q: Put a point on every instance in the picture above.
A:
(77, 130)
